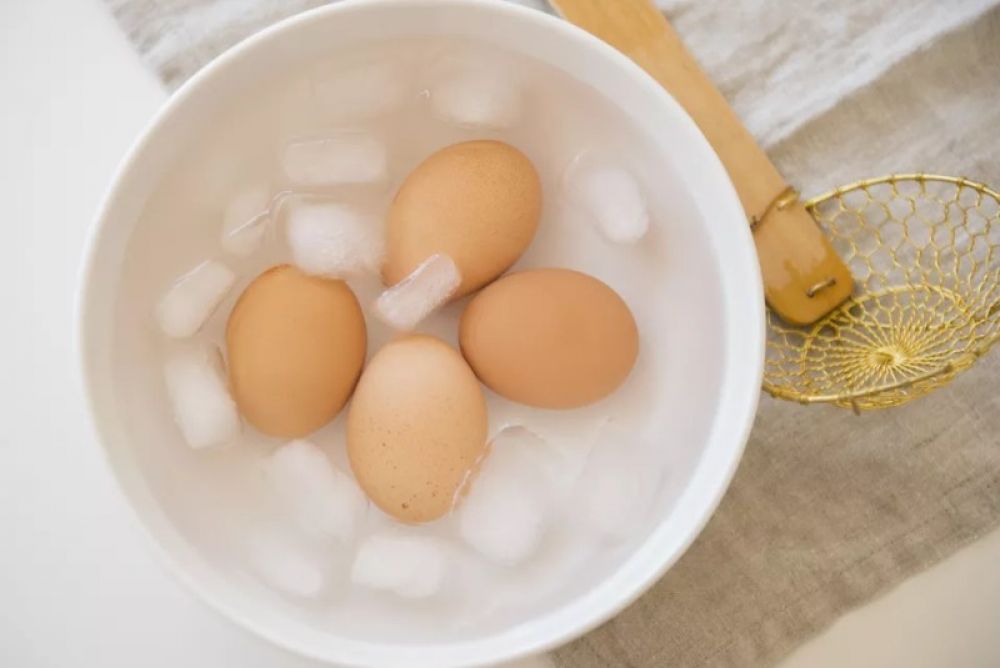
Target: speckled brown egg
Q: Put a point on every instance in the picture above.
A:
(551, 338)
(477, 201)
(416, 427)
(295, 345)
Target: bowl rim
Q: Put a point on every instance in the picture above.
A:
(738, 398)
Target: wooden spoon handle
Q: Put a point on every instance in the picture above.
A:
(803, 277)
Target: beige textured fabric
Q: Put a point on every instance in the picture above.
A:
(827, 509)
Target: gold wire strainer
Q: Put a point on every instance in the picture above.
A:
(924, 251)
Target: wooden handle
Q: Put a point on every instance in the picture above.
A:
(803, 277)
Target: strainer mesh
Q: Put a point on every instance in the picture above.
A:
(923, 251)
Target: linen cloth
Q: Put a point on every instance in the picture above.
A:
(827, 509)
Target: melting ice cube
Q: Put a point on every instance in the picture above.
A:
(196, 386)
(616, 488)
(475, 92)
(407, 564)
(360, 89)
(506, 510)
(411, 300)
(610, 196)
(332, 239)
(191, 299)
(343, 158)
(323, 500)
(286, 566)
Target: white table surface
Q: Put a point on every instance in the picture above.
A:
(78, 585)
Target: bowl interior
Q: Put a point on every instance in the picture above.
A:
(693, 285)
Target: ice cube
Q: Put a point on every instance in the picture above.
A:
(186, 305)
(411, 300)
(407, 564)
(611, 197)
(286, 566)
(343, 158)
(475, 93)
(505, 512)
(552, 458)
(615, 490)
(198, 393)
(322, 500)
(246, 219)
(361, 89)
(332, 239)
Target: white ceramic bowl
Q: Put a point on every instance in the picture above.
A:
(733, 359)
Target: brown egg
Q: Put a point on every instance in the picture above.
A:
(478, 201)
(296, 345)
(551, 338)
(416, 427)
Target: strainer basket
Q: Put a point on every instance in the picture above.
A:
(924, 251)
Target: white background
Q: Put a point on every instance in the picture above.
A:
(78, 586)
